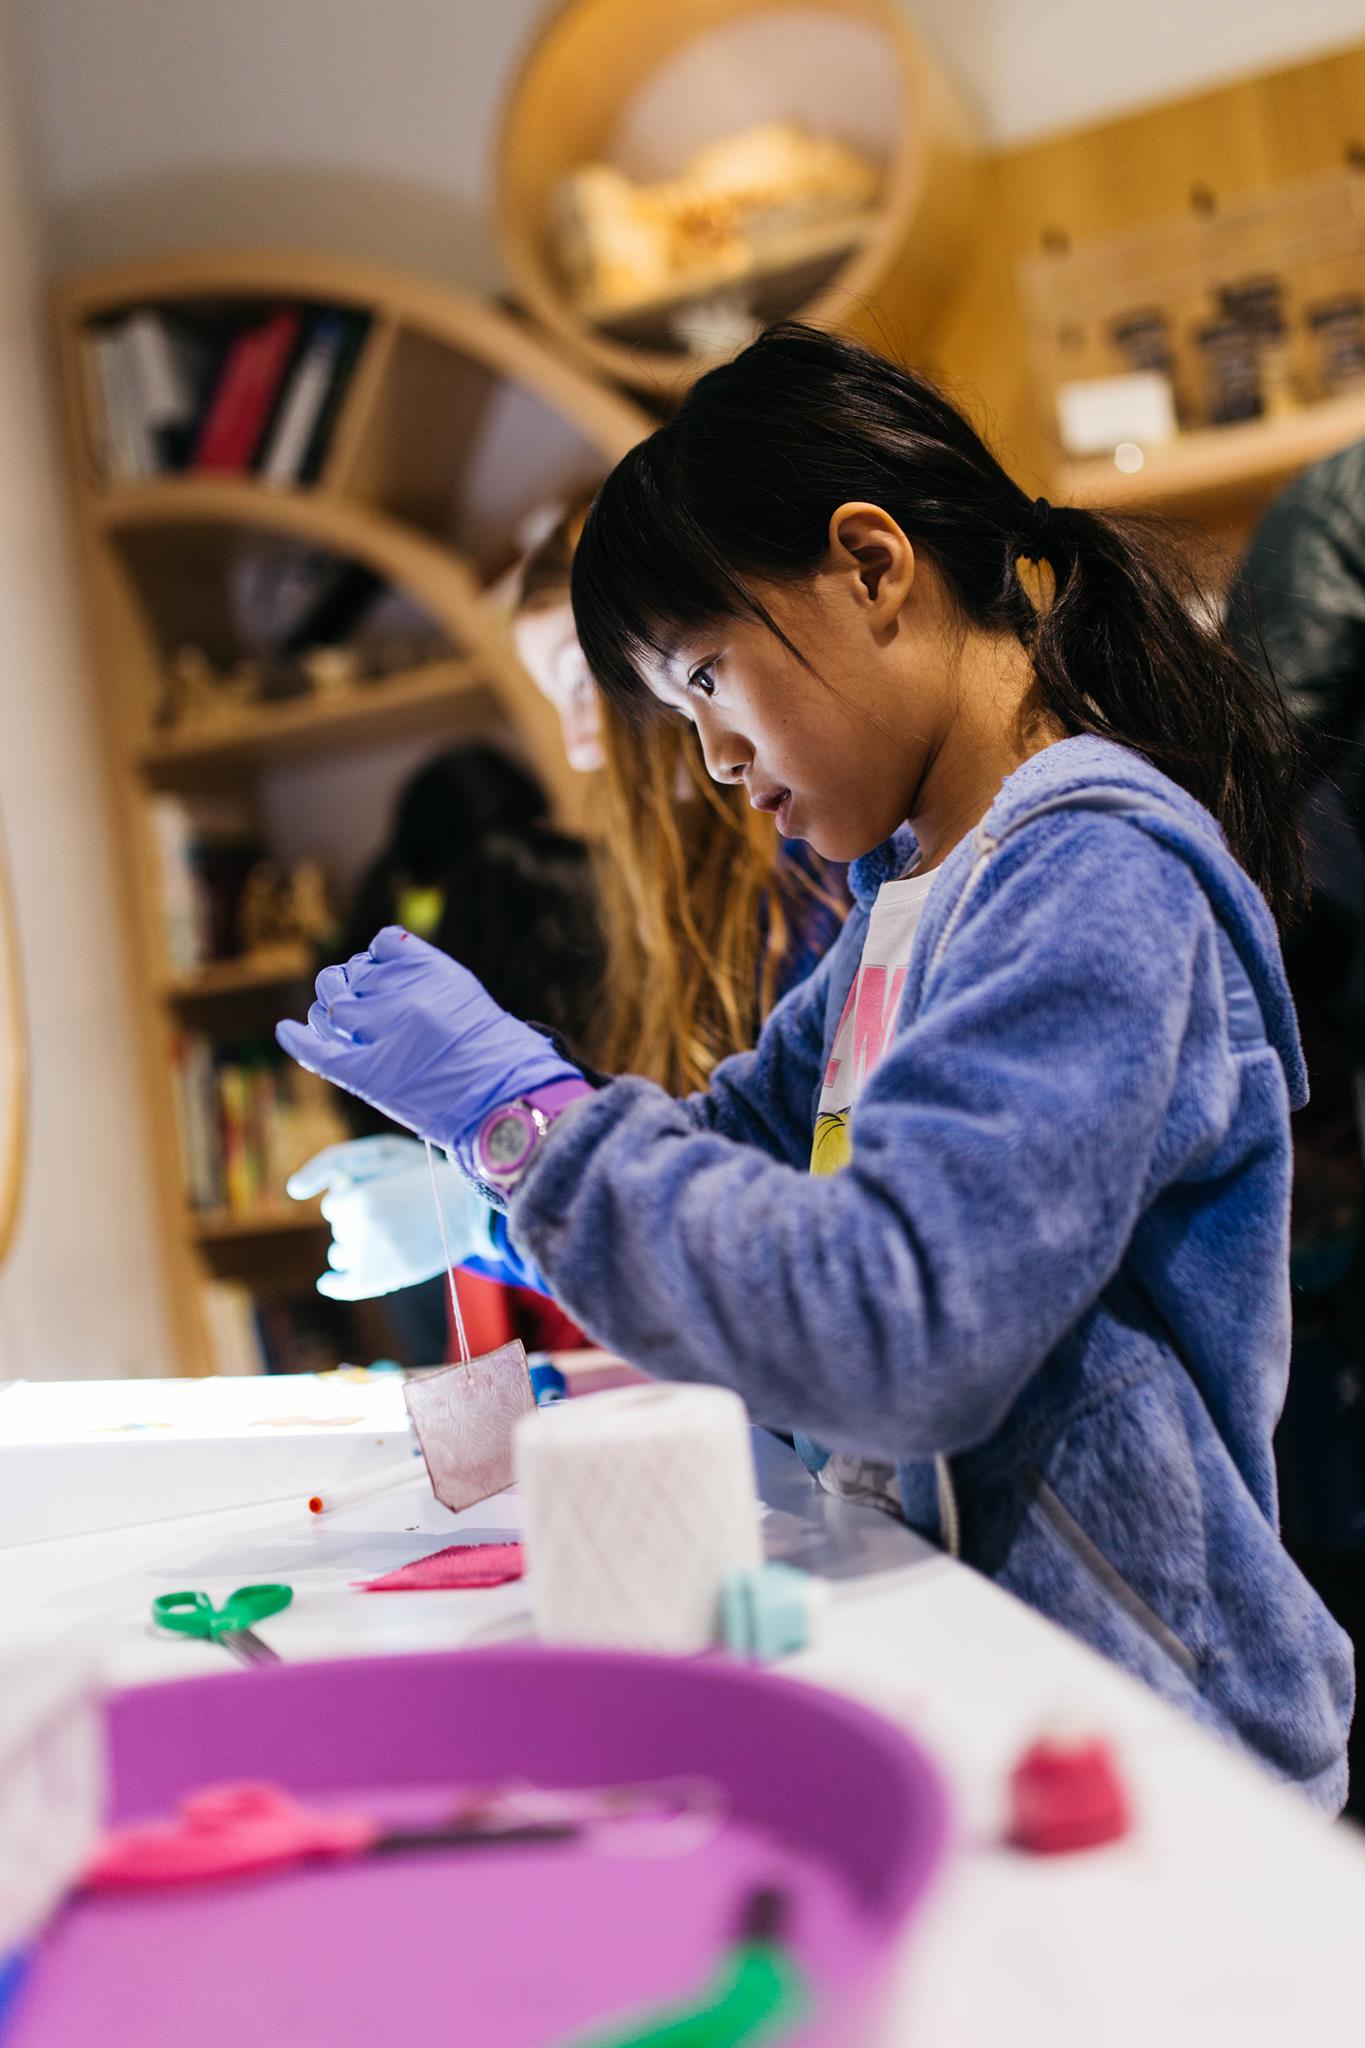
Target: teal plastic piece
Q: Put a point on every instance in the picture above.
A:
(766, 1612)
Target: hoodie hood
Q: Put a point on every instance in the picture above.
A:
(1093, 774)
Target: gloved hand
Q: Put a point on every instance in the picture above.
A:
(385, 1234)
(409, 1030)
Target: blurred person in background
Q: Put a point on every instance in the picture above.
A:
(472, 864)
(1297, 607)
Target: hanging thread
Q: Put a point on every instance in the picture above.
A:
(460, 1336)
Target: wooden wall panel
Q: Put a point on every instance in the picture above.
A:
(1237, 139)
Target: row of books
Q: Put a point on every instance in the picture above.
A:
(246, 1119)
(251, 1333)
(205, 855)
(255, 395)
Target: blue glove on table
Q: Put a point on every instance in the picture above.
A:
(385, 1232)
(412, 1032)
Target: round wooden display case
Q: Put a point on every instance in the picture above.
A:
(640, 88)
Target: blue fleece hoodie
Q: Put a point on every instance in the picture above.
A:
(1052, 1282)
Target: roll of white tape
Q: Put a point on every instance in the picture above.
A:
(638, 1503)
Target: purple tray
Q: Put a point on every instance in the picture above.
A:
(520, 1948)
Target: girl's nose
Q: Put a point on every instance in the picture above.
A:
(726, 757)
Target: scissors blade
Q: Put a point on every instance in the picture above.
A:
(246, 1646)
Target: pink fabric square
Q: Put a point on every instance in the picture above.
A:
(461, 1564)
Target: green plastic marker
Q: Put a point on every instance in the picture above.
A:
(759, 1994)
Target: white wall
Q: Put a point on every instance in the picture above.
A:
(1036, 66)
(369, 128)
(360, 127)
(80, 1293)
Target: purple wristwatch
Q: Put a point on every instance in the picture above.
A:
(512, 1134)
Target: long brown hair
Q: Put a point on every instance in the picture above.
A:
(701, 915)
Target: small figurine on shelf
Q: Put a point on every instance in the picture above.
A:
(1232, 373)
(1338, 327)
(310, 912)
(284, 909)
(261, 923)
(1258, 303)
(720, 221)
(331, 670)
(200, 694)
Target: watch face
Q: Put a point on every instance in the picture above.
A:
(507, 1141)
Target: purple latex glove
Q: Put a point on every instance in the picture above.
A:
(412, 1032)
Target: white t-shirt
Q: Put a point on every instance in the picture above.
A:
(865, 1030)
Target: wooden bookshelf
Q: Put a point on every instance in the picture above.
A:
(400, 492)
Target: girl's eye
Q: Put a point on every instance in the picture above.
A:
(703, 682)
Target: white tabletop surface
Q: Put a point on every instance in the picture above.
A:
(1232, 1913)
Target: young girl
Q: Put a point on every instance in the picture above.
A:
(1034, 1296)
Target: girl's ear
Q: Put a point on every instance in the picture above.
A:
(867, 542)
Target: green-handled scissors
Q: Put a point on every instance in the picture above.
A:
(194, 1614)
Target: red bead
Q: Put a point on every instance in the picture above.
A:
(1067, 1794)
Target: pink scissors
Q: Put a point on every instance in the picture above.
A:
(232, 1830)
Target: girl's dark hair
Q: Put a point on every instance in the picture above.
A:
(741, 484)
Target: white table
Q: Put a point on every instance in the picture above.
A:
(1233, 1914)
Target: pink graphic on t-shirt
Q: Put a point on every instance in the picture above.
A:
(874, 1005)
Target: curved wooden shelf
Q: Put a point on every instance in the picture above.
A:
(275, 1219)
(466, 326)
(431, 393)
(346, 521)
(361, 714)
(593, 55)
(270, 968)
(1220, 472)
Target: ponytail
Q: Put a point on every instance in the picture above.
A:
(741, 483)
(1126, 650)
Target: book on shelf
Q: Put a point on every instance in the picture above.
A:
(182, 920)
(233, 1332)
(247, 1117)
(316, 379)
(145, 377)
(248, 386)
(122, 439)
(273, 1332)
(169, 365)
(204, 854)
(356, 327)
(259, 391)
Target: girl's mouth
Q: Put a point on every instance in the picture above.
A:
(778, 802)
